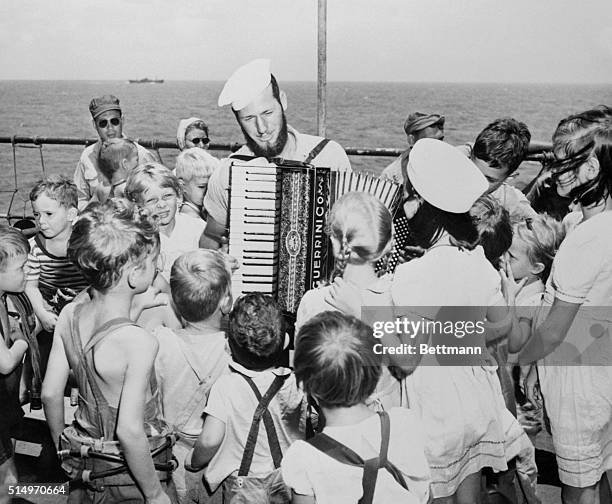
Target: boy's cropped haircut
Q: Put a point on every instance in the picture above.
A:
(335, 361)
(106, 237)
(146, 175)
(194, 162)
(256, 333)
(198, 281)
(12, 244)
(494, 227)
(58, 188)
(113, 152)
(503, 144)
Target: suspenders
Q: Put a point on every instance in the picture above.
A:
(262, 413)
(311, 155)
(345, 455)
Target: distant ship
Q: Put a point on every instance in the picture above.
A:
(146, 81)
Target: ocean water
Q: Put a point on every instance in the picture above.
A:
(365, 115)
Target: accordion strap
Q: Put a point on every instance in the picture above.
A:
(317, 150)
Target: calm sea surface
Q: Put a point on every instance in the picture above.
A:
(359, 115)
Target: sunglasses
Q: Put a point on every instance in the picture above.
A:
(197, 140)
(103, 123)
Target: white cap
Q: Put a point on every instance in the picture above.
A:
(245, 84)
(444, 177)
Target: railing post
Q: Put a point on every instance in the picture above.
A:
(322, 68)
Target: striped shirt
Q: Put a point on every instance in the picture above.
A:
(59, 281)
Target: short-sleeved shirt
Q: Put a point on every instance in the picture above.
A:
(309, 471)
(185, 237)
(394, 170)
(59, 280)
(216, 198)
(177, 379)
(233, 402)
(89, 180)
(582, 274)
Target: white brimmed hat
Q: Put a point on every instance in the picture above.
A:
(444, 177)
(245, 84)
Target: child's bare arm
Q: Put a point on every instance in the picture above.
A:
(208, 443)
(47, 318)
(53, 387)
(10, 357)
(139, 350)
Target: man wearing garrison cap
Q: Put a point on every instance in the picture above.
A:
(259, 107)
(108, 122)
(418, 125)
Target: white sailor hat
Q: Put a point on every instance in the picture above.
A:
(245, 84)
(444, 177)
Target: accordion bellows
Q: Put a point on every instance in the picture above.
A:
(277, 221)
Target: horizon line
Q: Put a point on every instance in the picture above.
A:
(602, 83)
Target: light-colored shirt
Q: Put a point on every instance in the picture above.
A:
(233, 402)
(185, 237)
(309, 471)
(216, 199)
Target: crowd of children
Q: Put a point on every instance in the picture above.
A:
(185, 394)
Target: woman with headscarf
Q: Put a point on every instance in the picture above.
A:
(192, 132)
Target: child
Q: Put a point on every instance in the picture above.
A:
(193, 169)
(14, 250)
(361, 232)
(153, 186)
(116, 159)
(336, 364)
(492, 222)
(572, 334)
(53, 280)
(190, 360)
(242, 455)
(116, 248)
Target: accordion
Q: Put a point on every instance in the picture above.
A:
(277, 224)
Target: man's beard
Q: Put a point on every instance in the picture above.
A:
(268, 151)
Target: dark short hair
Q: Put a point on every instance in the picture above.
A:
(58, 188)
(12, 244)
(106, 237)
(335, 361)
(492, 221)
(256, 333)
(503, 144)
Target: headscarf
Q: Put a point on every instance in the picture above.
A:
(182, 128)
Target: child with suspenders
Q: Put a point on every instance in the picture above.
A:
(243, 455)
(191, 359)
(360, 456)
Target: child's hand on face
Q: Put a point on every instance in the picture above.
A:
(510, 287)
(345, 297)
(48, 320)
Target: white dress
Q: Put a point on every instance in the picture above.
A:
(576, 379)
(467, 425)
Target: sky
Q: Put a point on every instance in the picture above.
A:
(567, 41)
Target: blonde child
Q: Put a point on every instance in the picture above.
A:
(193, 169)
(116, 159)
(361, 232)
(53, 280)
(112, 359)
(154, 187)
(242, 455)
(14, 250)
(336, 365)
(191, 359)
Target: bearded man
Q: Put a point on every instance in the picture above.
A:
(259, 107)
